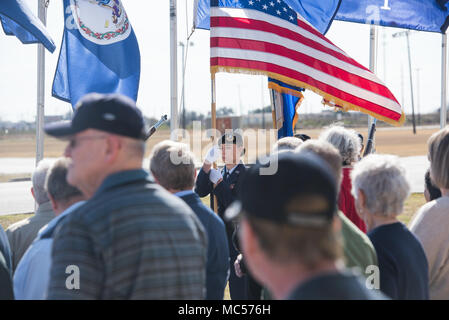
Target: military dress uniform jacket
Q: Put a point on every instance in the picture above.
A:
(226, 191)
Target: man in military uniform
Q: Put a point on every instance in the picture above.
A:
(224, 184)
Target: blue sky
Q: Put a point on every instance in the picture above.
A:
(150, 20)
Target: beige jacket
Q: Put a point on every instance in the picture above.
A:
(21, 234)
(431, 227)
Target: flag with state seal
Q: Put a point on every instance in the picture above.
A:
(99, 51)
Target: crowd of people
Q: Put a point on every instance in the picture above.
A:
(324, 225)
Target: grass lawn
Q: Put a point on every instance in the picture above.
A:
(6, 221)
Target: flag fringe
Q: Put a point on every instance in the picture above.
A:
(295, 118)
(344, 104)
(278, 88)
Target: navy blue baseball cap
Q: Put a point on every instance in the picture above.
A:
(113, 113)
(302, 192)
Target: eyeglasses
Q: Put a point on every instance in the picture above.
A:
(73, 143)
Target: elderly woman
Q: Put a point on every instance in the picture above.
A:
(347, 143)
(380, 190)
(432, 220)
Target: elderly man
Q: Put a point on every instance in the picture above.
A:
(132, 239)
(21, 234)
(32, 274)
(173, 167)
(289, 233)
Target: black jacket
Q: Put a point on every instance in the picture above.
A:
(226, 191)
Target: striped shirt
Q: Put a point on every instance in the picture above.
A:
(131, 240)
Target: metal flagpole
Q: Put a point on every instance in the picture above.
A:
(406, 34)
(372, 58)
(273, 109)
(42, 14)
(173, 66)
(213, 125)
(443, 110)
(411, 80)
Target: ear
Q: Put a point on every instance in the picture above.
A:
(248, 240)
(155, 178)
(113, 146)
(54, 205)
(336, 224)
(361, 198)
(32, 193)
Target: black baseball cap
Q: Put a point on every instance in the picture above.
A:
(113, 113)
(302, 192)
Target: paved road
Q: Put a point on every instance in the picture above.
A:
(15, 197)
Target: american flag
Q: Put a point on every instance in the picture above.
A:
(268, 37)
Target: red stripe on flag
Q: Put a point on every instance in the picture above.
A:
(268, 67)
(305, 59)
(241, 23)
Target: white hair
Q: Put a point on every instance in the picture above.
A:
(345, 140)
(287, 143)
(38, 178)
(383, 182)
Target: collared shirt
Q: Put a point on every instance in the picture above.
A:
(21, 234)
(227, 172)
(183, 193)
(33, 272)
(131, 240)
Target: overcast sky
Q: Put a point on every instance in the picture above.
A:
(150, 19)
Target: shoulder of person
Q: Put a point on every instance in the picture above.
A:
(425, 214)
(18, 225)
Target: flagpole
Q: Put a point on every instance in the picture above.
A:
(273, 109)
(213, 125)
(411, 80)
(173, 66)
(42, 15)
(372, 59)
(443, 110)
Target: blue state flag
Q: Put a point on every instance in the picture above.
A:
(99, 51)
(287, 99)
(422, 15)
(18, 20)
(318, 13)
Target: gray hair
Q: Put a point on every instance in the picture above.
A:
(136, 147)
(38, 180)
(383, 182)
(345, 140)
(173, 165)
(56, 184)
(327, 152)
(287, 143)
